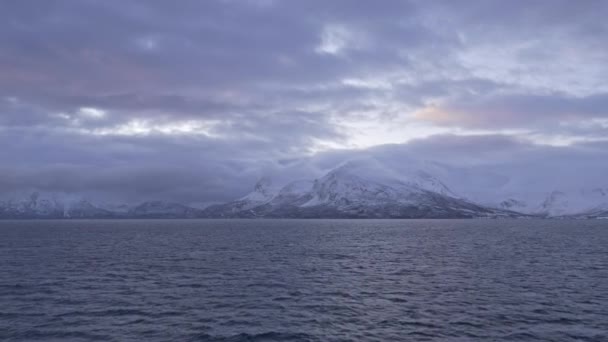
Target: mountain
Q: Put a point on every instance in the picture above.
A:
(49, 205)
(597, 214)
(358, 190)
(362, 188)
(263, 192)
(547, 194)
(45, 205)
(160, 209)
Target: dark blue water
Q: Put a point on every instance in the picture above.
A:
(304, 280)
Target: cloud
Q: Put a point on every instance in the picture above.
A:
(142, 98)
(583, 117)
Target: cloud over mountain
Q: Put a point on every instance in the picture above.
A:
(194, 101)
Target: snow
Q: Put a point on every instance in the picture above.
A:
(545, 191)
(299, 187)
(367, 182)
(263, 192)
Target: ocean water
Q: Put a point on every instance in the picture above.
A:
(304, 280)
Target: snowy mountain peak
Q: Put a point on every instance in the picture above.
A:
(372, 171)
(365, 187)
(263, 191)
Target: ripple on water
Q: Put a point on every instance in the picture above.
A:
(303, 280)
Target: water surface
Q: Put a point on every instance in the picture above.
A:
(304, 280)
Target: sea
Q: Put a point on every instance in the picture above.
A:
(304, 280)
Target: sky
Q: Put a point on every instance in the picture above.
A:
(194, 100)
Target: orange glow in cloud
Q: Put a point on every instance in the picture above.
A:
(437, 115)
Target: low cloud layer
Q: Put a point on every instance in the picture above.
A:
(195, 100)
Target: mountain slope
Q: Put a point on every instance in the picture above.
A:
(360, 190)
(160, 209)
(49, 205)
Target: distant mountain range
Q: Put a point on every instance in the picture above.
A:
(357, 189)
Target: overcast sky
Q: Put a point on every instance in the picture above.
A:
(194, 100)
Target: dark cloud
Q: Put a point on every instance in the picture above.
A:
(196, 99)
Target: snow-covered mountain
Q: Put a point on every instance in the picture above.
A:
(49, 205)
(545, 193)
(370, 188)
(59, 205)
(359, 189)
(362, 188)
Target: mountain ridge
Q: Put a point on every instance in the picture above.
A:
(363, 188)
